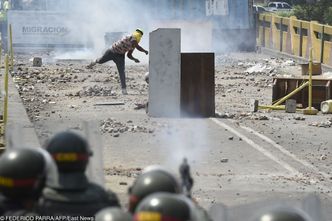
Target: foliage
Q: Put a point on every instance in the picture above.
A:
(285, 13)
(328, 16)
(315, 11)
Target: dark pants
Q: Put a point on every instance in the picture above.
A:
(119, 60)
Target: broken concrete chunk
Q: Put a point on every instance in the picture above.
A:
(254, 105)
(37, 62)
(290, 106)
(224, 160)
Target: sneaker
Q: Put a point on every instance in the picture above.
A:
(124, 91)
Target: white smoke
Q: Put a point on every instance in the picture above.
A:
(92, 19)
(187, 138)
(88, 21)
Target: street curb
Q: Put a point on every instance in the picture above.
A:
(18, 117)
(272, 52)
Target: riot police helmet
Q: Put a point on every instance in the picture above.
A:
(163, 206)
(22, 173)
(152, 180)
(70, 151)
(282, 214)
(113, 214)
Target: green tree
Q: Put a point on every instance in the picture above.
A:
(328, 16)
(315, 11)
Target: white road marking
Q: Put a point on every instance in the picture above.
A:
(286, 152)
(257, 147)
(321, 187)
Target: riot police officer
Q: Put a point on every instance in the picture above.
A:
(163, 206)
(70, 192)
(153, 179)
(22, 177)
(156, 179)
(282, 214)
(113, 214)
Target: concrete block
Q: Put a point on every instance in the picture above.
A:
(290, 106)
(253, 105)
(165, 73)
(37, 62)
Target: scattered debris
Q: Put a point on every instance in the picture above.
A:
(95, 90)
(258, 117)
(259, 69)
(109, 103)
(225, 115)
(115, 171)
(116, 127)
(140, 106)
(289, 63)
(323, 157)
(225, 160)
(325, 124)
(299, 118)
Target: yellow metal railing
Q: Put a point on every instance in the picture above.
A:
(296, 37)
(4, 121)
(5, 103)
(9, 65)
(11, 52)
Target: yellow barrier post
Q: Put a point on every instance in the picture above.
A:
(0, 53)
(11, 47)
(291, 94)
(310, 110)
(5, 108)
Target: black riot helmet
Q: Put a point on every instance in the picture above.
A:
(282, 214)
(70, 152)
(163, 206)
(154, 179)
(22, 173)
(113, 214)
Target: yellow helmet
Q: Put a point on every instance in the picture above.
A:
(138, 33)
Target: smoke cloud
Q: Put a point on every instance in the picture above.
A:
(89, 21)
(203, 30)
(178, 143)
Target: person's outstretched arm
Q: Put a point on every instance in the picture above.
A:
(131, 57)
(140, 48)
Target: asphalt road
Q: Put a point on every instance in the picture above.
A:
(236, 161)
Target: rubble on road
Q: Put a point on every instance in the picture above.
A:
(139, 106)
(324, 124)
(116, 127)
(299, 118)
(118, 171)
(67, 93)
(225, 160)
(95, 90)
(242, 116)
(225, 115)
(260, 69)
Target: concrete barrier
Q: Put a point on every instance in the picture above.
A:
(164, 73)
(180, 84)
